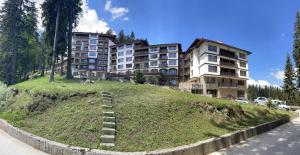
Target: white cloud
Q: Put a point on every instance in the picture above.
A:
(262, 83)
(116, 12)
(90, 22)
(279, 75)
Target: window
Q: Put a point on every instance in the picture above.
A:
(241, 83)
(172, 62)
(93, 47)
(243, 73)
(212, 48)
(129, 46)
(146, 65)
(120, 53)
(210, 80)
(84, 54)
(92, 54)
(128, 59)
(93, 35)
(242, 56)
(83, 66)
(93, 41)
(121, 47)
(212, 58)
(172, 48)
(153, 56)
(120, 66)
(173, 71)
(77, 54)
(92, 60)
(84, 60)
(92, 67)
(172, 82)
(172, 55)
(120, 60)
(129, 52)
(153, 63)
(243, 64)
(153, 49)
(128, 65)
(213, 69)
(164, 71)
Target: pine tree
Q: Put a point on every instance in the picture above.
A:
(109, 32)
(122, 37)
(132, 36)
(296, 47)
(288, 82)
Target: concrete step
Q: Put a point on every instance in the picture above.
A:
(106, 96)
(106, 99)
(109, 119)
(109, 125)
(107, 144)
(108, 113)
(105, 92)
(107, 139)
(107, 106)
(108, 131)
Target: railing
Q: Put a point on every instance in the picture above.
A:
(227, 74)
(141, 60)
(228, 64)
(163, 51)
(230, 85)
(140, 53)
(197, 86)
(228, 54)
(163, 65)
(163, 57)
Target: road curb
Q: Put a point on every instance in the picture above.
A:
(199, 148)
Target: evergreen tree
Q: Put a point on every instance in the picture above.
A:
(122, 37)
(139, 77)
(109, 32)
(288, 82)
(296, 47)
(132, 36)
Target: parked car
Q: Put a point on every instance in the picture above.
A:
(261, 101)
(282, 106)
(275, 103)
(241, 100)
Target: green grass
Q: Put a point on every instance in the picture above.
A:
(148, 117)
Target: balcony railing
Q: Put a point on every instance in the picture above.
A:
(163, 51)
(227, 64)
(163, 57)
(141, 53)
(163, 65)
(228, 74)
(228, 54)
(228, 85)
(141, 60)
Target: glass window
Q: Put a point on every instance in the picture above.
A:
(172, 55)
(243, 73)
(92, 54)
(93, 41)
(212, 58)
(128, 59)
(92, 60)
(153, 63)
(128, 65)
(212, 48)
(121, 47)
(93, 35)
(121, 60)
(172, 62)
(211, 80)
(84, 60)
(120, 53)
(212, 68)
(242, 55)
(91, 66)
(243, 64)
(153, 49)
(129, 52)
(84, 54)
(173, 71)
(120, 66)
(153, 56)
(172, 48)
(93, 47)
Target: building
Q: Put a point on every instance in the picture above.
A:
(91, 54)
(215, 69)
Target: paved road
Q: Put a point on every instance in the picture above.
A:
(284, 140)
(12, 146)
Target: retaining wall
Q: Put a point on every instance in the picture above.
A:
(199, 148)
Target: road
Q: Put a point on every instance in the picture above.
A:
(284, 140)
(12, 146)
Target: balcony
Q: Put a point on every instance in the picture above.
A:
(163, 51)
(163, 58)
(227, 64)
(163, 65)
(227, 85)
(141, 59)
(229, 74)
(228, 54)
(141, 53)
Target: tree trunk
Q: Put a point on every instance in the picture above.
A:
(69, 60)
(61, 73)
(43, 59)
(51, 79)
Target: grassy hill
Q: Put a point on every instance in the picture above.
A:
(148, 117)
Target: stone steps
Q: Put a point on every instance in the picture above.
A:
(107, 138)
(109, 125)
(107, 106)
(108, 144)
(109, 119)
(108, 114)
(108, 131)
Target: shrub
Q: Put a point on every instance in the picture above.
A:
(139, 77)
(4, 95)
(153, 80)
(269, 104)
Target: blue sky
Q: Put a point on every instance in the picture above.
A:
(263, 27)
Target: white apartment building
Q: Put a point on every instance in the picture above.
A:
(220, 70)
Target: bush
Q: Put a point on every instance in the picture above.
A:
(153, 80)
(269, 104)
(139, 77)
(4, 95)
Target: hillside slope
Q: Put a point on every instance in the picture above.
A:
(148, 117)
